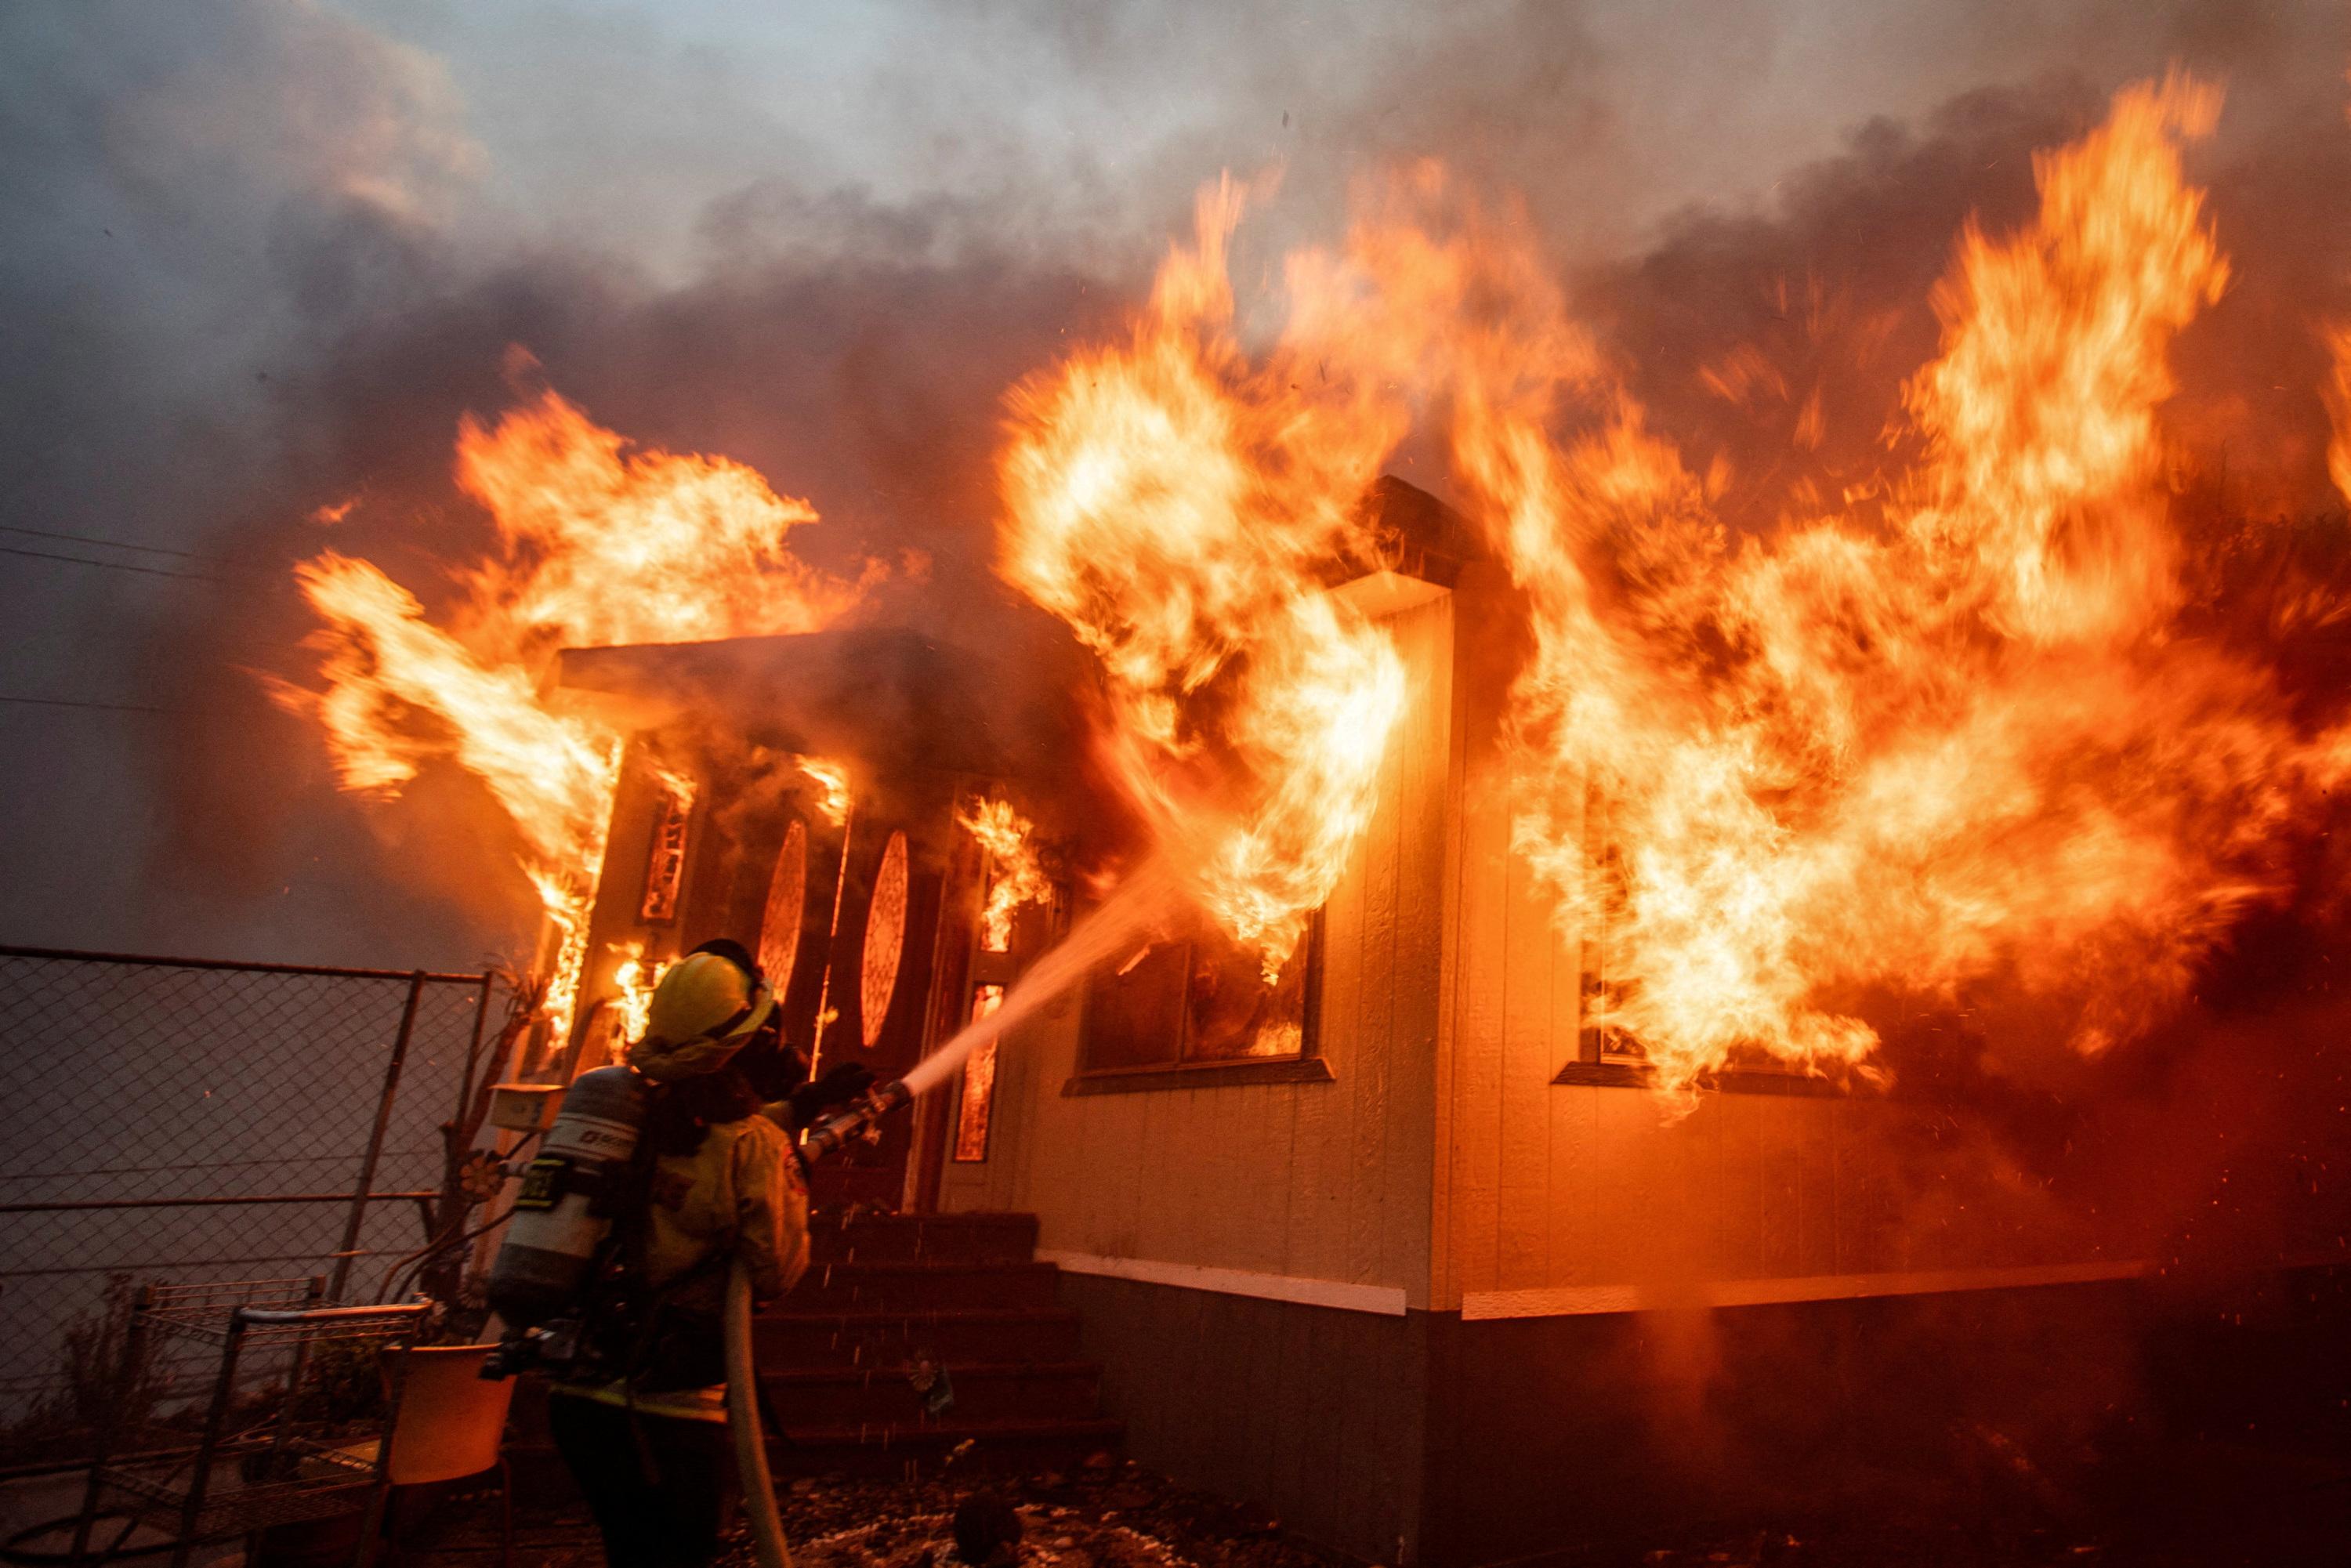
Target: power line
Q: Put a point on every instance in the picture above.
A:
(109, 565)
(94, 540)
(70, 702)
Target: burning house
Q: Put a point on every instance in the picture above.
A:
(1476, 1101)
(1396, 1239)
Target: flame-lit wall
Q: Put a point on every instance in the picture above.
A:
(1395, 1300)
(1274, 1270)
(1442, 1165)
(1317, 1184)
(1570, 1198)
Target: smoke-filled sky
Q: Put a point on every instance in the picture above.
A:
(257, 256)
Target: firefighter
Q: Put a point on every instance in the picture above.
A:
(777, 1069)
(643, 1425)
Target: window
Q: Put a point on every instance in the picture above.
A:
(666, 860)
(886, 940)
(978, 1096)
(1596, 1041)
(1196, 999)
(787, 908)
(1603, 1053)
(1607, 1056)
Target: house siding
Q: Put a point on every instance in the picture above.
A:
(1549, 1378)
(1317, 1181)
(1315, 1414)
(1551, 1192)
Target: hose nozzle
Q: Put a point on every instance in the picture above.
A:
(853, 1119)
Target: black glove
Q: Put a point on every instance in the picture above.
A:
(839, 1086)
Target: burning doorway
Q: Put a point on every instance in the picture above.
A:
(803, 795)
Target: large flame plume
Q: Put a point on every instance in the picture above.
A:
(596, 545)
(1943, 733)
(1948, 734)
(1175, 502)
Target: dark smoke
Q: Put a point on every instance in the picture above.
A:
(866, 386)
(1779, 343)
(241, 278)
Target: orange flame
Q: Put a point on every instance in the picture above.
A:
(831, 780)
(1945, 739)
(1175, 505)
(2338, 404)
(633, 981)
(597, 546)
(2338, 400)
(1915, 750)
(384, 665)
(2041, 410)
(1016, 878)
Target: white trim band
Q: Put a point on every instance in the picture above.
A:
(1387, 1300)
(1572, 1301)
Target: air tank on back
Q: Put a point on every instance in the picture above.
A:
(563, 1211)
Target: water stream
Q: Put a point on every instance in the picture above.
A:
(1097, 936)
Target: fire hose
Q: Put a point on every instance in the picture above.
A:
(559, 1222)
(751, 1470)
(743, 1423)
(742, 1368)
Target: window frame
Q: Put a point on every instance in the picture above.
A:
(1306, 1065)
(669, 850)
(1602, 1061)
(986, 1049)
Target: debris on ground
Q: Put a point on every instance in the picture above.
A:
(1106, 1514)
(1111, 1513)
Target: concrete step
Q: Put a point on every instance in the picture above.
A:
(919, 1287)
(846, 1397)
(793, 1338)
(974, 1447)
(923, 1238)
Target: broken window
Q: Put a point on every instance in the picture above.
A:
(1598, 1040)
(1196, 997)
(1605, 1052)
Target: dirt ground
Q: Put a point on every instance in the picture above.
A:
(1109, 1515)
(2221, 1510)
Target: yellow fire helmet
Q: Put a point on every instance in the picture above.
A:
(703, 1013)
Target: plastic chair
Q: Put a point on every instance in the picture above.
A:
(451, 1424)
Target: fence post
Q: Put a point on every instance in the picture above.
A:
(365, 1183)
(473, 1049)
(191, 1507)
(112, 1420)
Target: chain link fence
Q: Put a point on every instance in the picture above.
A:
(182, 1120)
